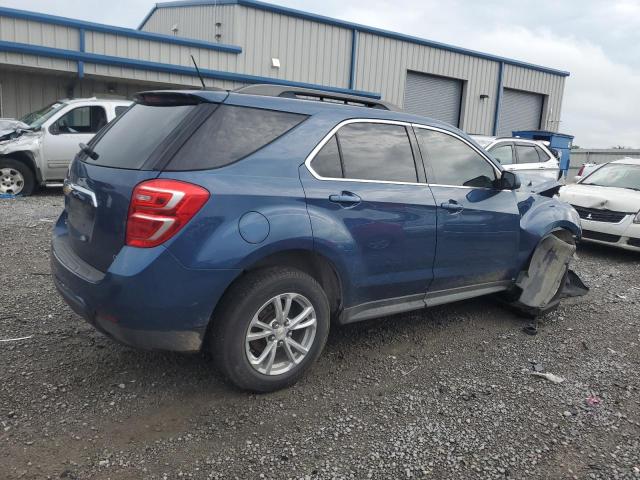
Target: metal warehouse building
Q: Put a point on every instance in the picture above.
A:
(237, 42)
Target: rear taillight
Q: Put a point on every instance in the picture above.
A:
(581, 171)
(160, 208)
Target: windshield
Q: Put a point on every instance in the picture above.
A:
(619, 175)
(37, 118)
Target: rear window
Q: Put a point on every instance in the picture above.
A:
(136, 134)
(230, 134)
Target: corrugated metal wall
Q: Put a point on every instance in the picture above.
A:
(22, 92)
(199, 22)
(383, 64)
(310, 51)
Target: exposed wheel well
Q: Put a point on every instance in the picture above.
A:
(317, 266)
(565, 235)
(27, 159)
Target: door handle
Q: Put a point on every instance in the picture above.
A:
(452, 206)
(345, 198)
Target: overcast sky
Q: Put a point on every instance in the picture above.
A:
(597, 41)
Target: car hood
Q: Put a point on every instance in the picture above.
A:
(604, 198)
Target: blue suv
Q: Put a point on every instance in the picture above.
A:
(243, 222)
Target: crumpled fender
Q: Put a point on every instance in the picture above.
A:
(29, 144)
(547, 279)
(547, 269)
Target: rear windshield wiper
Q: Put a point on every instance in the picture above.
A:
(88, 151)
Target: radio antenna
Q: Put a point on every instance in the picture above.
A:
(204, 87)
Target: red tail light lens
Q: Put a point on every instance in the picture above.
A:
(581, 171)
(160, 208)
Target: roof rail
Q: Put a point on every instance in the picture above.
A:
(301, 93)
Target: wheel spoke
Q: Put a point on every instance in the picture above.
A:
(258, 335)
(287, 306)
(266, 352)
(262, 325)
(277, 303)
(272, 357)
(289, 352)
(306, 324)
(296, 345)
(300, 317)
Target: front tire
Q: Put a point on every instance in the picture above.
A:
(270, 327)
(16, 178)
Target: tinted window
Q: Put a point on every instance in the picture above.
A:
(81, 120)
(120, 109)
(454, 162)
(503, 153)
(326, 163)
(135, 135)
(527, 154)
(373, 151)
(230, 134)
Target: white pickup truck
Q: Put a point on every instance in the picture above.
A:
(38, 151)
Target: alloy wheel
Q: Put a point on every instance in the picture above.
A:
(281, 334)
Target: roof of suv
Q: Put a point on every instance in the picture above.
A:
(307, 107)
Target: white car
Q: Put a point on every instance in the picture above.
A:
(530, 159)
(608, 202)
(585, 170)
(38, 151)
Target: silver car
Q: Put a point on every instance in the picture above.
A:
(530, 159)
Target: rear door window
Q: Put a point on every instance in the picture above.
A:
(376, 151)
(230, 134)
(503, 153)
(527, 154)
(327, 161)
(133, 137)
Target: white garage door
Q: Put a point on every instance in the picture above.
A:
(520, 111)
(435, 97)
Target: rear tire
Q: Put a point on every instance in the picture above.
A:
(259, 348)
(16, 178)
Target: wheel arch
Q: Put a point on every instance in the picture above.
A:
(27, 158)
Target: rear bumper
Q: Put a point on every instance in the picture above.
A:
(146, 299)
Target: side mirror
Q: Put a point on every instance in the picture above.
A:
(54, 129)
(509, 181)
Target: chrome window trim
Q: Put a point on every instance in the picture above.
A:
(333, 131)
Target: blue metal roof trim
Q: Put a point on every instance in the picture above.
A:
(128, 32)
(28, 49)
(362, 28)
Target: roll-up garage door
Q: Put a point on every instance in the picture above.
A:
(520, 111)
(435, 97)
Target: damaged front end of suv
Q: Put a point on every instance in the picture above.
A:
(547, 277)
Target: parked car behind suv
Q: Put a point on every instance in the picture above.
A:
(38, 150)
(242, 222)
(532, 160)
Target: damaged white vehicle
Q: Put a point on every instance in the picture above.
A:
(608, 202)
(37, 150)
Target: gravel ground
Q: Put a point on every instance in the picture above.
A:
(442, 393)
